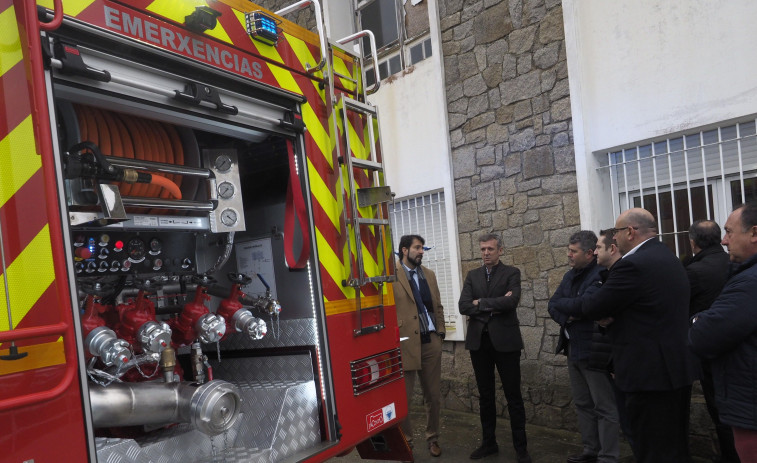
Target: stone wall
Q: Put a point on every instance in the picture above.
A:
(513, 164)
(513, 161)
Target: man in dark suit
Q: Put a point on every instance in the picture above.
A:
(420, 317)
(489, 298)
(647, 294)
(708, 270)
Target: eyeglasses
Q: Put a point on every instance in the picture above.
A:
(614, 231)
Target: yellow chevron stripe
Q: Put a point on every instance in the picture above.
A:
(341, 68)
(323, 195)
(70, 7)
(303, 54)
(40, 356)
(28, 277)
(332, 263)
(18, 159)
(177, 10)
(10, 45)
(287, 82)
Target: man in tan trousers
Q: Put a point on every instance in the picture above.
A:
(420, 317)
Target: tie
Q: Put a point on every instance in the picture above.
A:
(422, 316)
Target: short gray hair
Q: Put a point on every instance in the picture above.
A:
(490, 236)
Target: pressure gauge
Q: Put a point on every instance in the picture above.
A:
(223, 163)
(136, 250)
(226, 190)
(229, 217)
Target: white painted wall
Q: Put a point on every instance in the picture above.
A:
(640, 69)
(413, 119)
(412, 114)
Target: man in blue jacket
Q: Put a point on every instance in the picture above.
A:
(592, 391)
(726, 334)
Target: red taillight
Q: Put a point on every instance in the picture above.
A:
(376, 370)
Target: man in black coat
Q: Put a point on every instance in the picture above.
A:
(708, 271)
(647, 295)
(726, 334)
(489, 298)
(591, 389)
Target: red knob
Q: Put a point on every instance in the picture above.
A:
(83, 252)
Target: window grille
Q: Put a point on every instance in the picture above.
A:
(685, 177)
(425, 215)
(401, 30)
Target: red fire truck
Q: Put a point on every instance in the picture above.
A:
(194, 238)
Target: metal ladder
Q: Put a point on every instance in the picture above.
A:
(370, 201)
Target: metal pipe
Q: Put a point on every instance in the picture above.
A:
(169, 204)
(158, 167)
(319, 24)
(374, 55)
(211, 408)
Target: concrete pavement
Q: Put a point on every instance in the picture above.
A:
(461, 434)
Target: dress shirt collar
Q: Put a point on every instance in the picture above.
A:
(636, 248)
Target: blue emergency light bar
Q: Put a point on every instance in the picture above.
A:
(262, 28)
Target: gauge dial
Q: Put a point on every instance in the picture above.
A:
(136, 250)
(226, 190)
(229, 217)
(155, 246)
(223, 163)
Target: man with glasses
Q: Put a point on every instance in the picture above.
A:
(647, 295)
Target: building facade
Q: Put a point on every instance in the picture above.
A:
(537, 118)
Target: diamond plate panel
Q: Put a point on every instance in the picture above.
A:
(287, 333)
(279, 417)
(286, 368)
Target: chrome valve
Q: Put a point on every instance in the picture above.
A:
(154, 336)
(102, 342)
(247, 323)
(210, 328)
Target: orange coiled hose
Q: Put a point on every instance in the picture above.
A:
(168, 185)
(132, 137)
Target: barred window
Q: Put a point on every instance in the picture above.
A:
(686, 177)
(424, 215)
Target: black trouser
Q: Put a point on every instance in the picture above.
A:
(725, 434)
(484, 361)
(660, 425)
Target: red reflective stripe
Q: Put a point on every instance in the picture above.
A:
(22, 217)
(39, 315)
(15, 99)
(295, 204)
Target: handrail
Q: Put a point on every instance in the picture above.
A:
(33, 332)
(374, 55)
(57, 17)
(63, 384)
(319, 24)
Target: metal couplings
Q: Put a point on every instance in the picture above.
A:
(154, 337)
(210, 328)
(102, 342)
(249, 324)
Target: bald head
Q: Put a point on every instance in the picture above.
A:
(634, 226)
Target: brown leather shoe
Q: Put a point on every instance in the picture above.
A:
(434, 449)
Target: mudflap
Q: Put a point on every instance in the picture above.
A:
(389, 444)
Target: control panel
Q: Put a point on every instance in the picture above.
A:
(98, 252)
